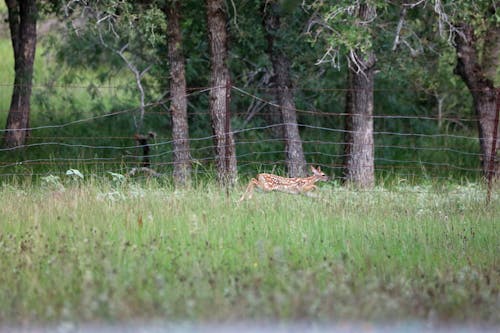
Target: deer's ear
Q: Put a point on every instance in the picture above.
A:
(312, 169)
(319, 169)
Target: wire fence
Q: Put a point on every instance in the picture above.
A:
(413, 147)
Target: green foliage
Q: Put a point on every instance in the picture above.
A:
(339, 25)
(471, 12)
(84, 83)
(7, 70)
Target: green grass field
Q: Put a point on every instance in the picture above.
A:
(104, 251)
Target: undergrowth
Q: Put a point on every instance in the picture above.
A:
(79, 248)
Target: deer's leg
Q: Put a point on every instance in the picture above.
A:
(307, 190)
(249, 191)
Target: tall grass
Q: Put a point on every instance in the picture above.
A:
(103, 250)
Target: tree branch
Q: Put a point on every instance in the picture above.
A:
(133, 68)
(402, 17)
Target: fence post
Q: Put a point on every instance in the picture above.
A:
(493, 155)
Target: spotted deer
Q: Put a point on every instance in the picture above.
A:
(269, 182)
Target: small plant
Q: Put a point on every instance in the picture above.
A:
(52, 182)
(74, 174)
(117, 178)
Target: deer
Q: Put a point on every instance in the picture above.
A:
(270, 182)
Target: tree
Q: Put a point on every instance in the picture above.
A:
(178, 100)
(295, 160)
(348, 30)
(220, 93)
(359, 165)
(22, 24)
(479, 76)
(473, 30)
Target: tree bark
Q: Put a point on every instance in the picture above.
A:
(359, 150)
(475, 76)
(220, 93)
(22, 24)
(359, 165)
(295, 160)
(178, 100)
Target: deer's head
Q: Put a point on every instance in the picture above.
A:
(318, 174)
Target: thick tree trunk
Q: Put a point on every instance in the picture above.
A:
(178, 100)
(295, 161)
(483, 93)
(22, 23)
(220, 94)
(359, 164)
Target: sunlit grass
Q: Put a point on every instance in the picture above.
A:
(107, 251)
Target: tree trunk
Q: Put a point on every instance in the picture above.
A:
(295, 161)
(220, 94)
(22, 24)
(359, 165)
(178, 100)
(482, 90)
(359, 150)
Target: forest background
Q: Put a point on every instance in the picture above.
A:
(397, 98)
(102, 74)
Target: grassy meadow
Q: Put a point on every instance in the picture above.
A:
(103, 251)
(424, 247)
